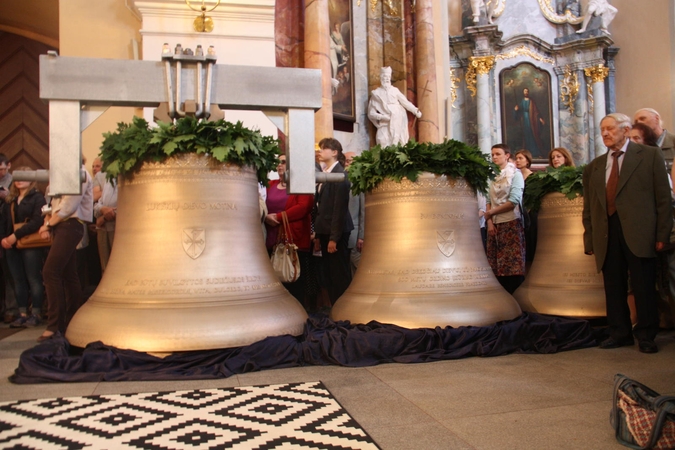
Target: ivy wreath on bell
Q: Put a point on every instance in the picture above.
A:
(451, 158)
(565, 180)
(124, 151)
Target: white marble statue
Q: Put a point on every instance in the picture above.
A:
(386, 109)
(600, 8)
(491, 9)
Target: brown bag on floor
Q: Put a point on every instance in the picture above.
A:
(642, 419)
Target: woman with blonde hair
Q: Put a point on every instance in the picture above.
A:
(559, 157)
(24, 205)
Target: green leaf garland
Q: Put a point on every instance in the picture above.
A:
(451, 158)
(565, 180)
(125, 150)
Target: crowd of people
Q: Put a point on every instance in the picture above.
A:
(46, 273)
(42, 283)
(627, 218)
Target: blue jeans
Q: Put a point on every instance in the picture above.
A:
(26, 268)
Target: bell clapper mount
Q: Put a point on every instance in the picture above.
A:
(182, 56)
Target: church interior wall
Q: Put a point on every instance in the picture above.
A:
(101, 29)
(645, 65)
(643, 31)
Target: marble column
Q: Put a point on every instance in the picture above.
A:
(317, 56)
(426, 83)
(597, 75)
(479, 74)
(289, 33)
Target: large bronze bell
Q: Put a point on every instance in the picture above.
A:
(189, 269)
(423, 263)
(562, 281)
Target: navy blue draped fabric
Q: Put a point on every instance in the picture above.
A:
(323, 342)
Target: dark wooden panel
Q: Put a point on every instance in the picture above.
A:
(24, 118)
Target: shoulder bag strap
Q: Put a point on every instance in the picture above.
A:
(287, 227)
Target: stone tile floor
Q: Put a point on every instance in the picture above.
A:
(558, 401)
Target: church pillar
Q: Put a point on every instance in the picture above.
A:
(480, 68)
(317, 56)
(597, 75)
(289, 33)
(425, 61)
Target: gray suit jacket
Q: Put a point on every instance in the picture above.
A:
(357, 209)
(668, 147)
(643, 203)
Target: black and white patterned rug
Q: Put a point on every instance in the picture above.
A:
(285, 416)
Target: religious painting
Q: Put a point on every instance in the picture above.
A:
(341, 60)
(527, 110)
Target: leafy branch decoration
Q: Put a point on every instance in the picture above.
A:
(451, 158)
(124, 151)
(565, 180)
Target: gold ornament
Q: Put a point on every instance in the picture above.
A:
(453, 87)
(203, 23)
(551, 16)
(477, 64)
(525, 51)
(569, 88)
(598, 73)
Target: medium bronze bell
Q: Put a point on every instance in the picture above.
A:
(423, 263)
(562, 281)
(189, 269)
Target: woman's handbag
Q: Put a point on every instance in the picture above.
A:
(32, 240)
(641, 417)
(285, 254)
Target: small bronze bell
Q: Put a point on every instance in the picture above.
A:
(562, 281)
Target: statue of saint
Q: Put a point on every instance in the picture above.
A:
(600, 8)
(386, 109)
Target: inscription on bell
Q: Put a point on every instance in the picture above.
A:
(190, 206)
(443, 216)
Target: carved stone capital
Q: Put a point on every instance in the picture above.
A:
(477, 65)
(597, 74)
(482, 64)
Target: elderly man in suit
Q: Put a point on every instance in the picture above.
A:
(627, 218)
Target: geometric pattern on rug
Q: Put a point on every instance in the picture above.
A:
(283, 416)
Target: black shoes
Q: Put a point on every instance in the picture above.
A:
(616, 343)
(647, 346)
(644, 345)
